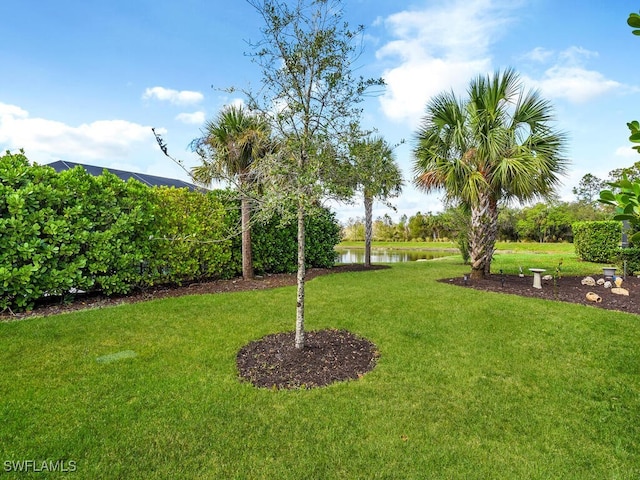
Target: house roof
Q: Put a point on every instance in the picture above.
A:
(151, 180)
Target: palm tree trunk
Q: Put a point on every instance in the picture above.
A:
(368, 229)
(299, 342)
(492, 235)
(247, 261)
(482, 237)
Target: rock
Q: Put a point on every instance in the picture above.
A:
(620, 291)
(593, 297)
(600, 281)
(547, 277)
(607, 284)
(589, 281)
(618, 282)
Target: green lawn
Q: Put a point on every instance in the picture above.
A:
(511, 247)
(469, 385)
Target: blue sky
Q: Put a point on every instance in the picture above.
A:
(85, 81)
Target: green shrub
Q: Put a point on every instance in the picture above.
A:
(597, 241)
(275, 244)
(71, 230)
(192, 238)
(631, 256)
(39, 246)
(121, 218)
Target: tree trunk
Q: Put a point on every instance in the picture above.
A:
(482, 237)
(368, 229)
(247, 261)
(301, 277)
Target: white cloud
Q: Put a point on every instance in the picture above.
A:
(182, 97)
(569, 78)
(48, 140)
(575, 84)
(410, 86)
(439, 49)
(195, 118)
(627, 152)
(538, 54)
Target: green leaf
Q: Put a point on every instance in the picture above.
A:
(634, 20)
(635, 138)
(633, 125)
(624, 184)
(607, 196)
(635, 238)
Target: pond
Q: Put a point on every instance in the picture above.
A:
(389, 255)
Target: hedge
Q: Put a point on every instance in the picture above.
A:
(597, 241)
(69, 231)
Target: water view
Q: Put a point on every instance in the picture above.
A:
(356, 255)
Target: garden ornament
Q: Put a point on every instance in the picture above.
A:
(589, 281)
(594, 297)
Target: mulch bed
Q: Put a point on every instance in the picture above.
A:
(567, 289)
(328, 356)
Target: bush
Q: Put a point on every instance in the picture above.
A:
(631, 255)
(193, 237)
(597, 241)
(72, 231)
(40, 245)
(275, 244)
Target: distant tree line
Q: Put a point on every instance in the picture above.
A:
(541, 222)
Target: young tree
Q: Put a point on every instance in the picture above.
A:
(496, 145)
(228, 148)
(377, 176)
(306, 54)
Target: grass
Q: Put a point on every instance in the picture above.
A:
(510, 247)
(469, 384)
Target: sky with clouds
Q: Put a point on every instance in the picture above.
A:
(86, 81)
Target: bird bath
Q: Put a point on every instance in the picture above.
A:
(537, 281)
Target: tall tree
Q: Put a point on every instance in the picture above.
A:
(307, 54)
(228, 149)
(496, 145)
(588, 189)
(377, 176)
(630, 173)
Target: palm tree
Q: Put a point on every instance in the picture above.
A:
(228, 148)
(493, 147)
(378, 176)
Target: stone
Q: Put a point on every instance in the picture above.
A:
(593, 297)
(589, 281)
(600, 281)
(547, 277)
(620, 291)
(607, 284)
(618, 282)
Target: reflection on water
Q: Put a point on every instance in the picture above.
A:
(356, 255)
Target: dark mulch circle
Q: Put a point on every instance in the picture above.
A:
(328, 356)
(566, 289)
